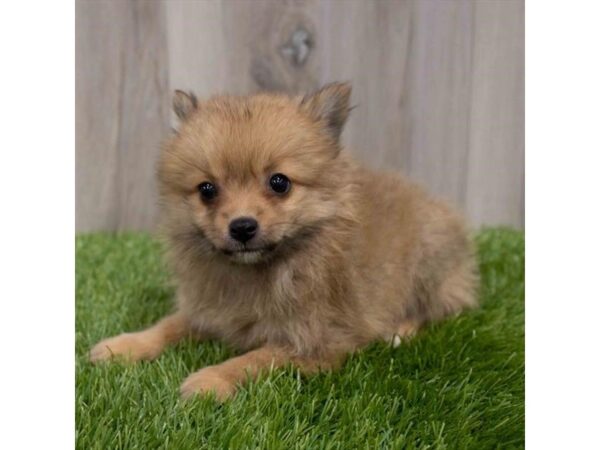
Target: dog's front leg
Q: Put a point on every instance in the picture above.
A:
(146, 344)
(223, 379)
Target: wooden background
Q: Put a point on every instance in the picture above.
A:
(439, 86)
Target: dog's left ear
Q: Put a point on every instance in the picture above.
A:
(330, 106)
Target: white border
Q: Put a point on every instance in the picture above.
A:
(562, 224)
(37, 224)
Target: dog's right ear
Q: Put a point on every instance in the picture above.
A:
(184, 103)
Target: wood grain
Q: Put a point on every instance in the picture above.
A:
(367, 43)
(239, 46)
(439, 89)
(495, 171)
(437, 92)
(122, 112)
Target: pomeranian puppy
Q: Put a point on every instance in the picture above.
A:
(288, 250)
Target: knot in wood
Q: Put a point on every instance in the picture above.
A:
(298, 47)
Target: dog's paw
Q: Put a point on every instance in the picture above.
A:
(128, 347)
(206, 381)
(406, 331)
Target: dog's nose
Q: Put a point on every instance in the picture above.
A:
(243, 229)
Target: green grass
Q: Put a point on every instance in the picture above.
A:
(459, 384)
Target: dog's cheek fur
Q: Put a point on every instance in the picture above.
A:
(305, 207)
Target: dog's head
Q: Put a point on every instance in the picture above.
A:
(247, 176)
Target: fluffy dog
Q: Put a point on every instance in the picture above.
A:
(287, 249)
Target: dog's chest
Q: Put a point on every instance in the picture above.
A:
(245, 315)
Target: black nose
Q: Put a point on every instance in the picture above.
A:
(243, 229)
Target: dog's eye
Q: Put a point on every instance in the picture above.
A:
(280, 183)
(207, 190)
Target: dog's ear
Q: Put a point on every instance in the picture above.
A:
(184, 103)
(330, 106)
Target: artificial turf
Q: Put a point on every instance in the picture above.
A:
(458, 384)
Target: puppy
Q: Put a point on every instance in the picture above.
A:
(288, 250)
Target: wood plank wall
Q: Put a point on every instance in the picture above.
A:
(439, 86)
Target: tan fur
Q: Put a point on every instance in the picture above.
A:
(146, 344)
(347, 257)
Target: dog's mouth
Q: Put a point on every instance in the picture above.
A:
(249, 255)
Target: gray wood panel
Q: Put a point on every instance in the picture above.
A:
(239, 46)
(438, 89)
(438, 84)
(122, 112)
(495, 171)
(368, 44)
